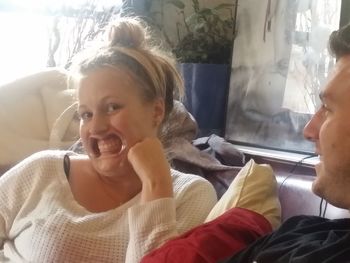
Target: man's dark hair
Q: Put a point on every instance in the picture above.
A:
(339, 42)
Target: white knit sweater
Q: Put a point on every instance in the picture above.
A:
(41, 222)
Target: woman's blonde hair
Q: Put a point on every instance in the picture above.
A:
(129, 46)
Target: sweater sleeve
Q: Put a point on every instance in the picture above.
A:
(15, 187)
(2, 236)
(2, 230)
(11, 196)
(153, 223)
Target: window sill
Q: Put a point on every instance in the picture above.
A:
(280, 156)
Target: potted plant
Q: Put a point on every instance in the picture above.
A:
(205, 36)
(203, 45)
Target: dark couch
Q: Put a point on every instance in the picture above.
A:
(294, 189)
(297, 198)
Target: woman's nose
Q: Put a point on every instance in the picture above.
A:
(99, 124)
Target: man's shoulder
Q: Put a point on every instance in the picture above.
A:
(301, 239)
(307, 221)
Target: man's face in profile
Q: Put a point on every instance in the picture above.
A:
(329, 129)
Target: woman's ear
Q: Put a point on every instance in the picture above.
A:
(159, 111)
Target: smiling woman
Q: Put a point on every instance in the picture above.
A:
(120, 200)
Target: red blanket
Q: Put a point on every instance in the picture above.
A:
(215, 240)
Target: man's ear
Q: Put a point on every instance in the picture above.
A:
(159, 111)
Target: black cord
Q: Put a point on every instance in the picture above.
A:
(325, 209)
(320, 208)
(323, 213)
(291, 172)
(301, 161)
(320, 213)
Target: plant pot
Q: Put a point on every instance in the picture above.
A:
(206, 89)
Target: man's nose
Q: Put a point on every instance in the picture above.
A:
(312, 128)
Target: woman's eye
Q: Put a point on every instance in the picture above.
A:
(111, 107)
(85, 116)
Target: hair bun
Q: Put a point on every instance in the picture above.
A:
(126, 33)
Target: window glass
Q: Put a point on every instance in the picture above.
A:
(280, 62)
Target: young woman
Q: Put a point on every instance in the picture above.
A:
(121, 199)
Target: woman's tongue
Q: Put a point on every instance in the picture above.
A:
(110, 146)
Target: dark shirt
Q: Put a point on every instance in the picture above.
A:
(301, 239)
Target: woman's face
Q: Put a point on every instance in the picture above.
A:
(114, 116)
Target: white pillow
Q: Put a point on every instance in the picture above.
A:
(29, 109)
(254, 188)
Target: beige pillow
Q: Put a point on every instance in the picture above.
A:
(254, 188)
(35, 115)
(56, 100)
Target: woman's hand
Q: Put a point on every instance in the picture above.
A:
(150, 164)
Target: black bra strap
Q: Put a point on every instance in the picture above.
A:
(66, 164)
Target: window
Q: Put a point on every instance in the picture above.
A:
(280, 62)
(30, 31)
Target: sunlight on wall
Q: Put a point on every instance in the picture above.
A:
(23, 45)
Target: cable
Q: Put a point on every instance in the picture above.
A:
(301, 161)
(325, 209)
(291, 172)
(320, 208)
(322, 211)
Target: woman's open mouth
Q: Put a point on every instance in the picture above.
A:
(113, 144)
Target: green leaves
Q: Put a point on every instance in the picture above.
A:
(205, 35)
(224, 6)
(179, 4)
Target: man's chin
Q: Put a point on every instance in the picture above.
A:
(317, 183)
(316, 188)
(318, 168)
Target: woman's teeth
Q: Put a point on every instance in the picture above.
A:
(110, 145)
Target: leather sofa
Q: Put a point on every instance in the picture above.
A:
(297, 198)
(294, 190)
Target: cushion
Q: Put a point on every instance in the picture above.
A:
(254, 188)
(22, 111)
(35, 115)
(56, 100)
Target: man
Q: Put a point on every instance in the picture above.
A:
(308, 238)
(300, 239)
